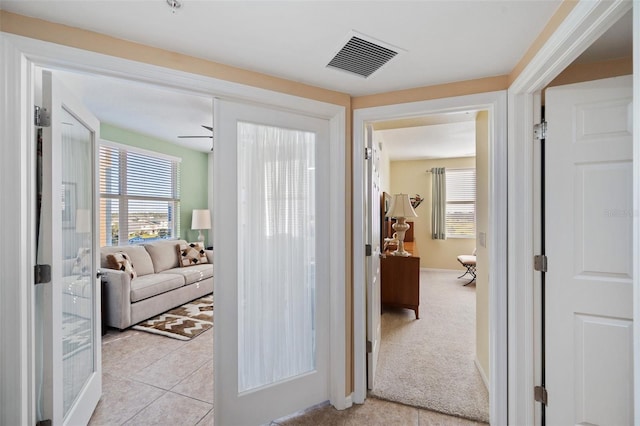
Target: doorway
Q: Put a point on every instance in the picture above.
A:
(495, 104)
(439, 361)
(587, 161)
(588, 21)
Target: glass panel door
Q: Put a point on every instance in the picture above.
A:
(68, 370)
(271, 248)
(77, 257)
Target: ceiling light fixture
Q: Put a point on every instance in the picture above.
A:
(174, 5)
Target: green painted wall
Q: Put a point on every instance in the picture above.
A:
(193, 169)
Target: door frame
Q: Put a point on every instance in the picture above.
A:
(19, 56)
(496, 104)
(586, 22)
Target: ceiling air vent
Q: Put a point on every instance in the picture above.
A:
(362, 57)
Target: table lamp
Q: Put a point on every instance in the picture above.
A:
(401, 209)
(201, 219)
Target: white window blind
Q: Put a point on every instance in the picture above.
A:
(461, 203)
(139, 196)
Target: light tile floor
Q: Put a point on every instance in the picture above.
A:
(155, 380)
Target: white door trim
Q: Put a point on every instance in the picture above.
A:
(496, 103)
(16, 189)
(16, 260)
(584, 24)
(636, 210)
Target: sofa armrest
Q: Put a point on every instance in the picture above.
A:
(209, 255)
(117, 294)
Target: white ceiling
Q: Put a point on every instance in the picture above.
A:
(448, 136)
(150, 110)
(442, 41)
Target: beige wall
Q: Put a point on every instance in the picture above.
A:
(439, 91)
(411, 177)
(577, 73)
(482, 226)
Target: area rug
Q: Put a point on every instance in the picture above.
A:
(430, 362)
(184, 322)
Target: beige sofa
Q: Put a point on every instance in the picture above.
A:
(160, 284)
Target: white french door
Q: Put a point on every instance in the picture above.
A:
(271, 249)
(68, 341)
(589, 289)
(373, 201)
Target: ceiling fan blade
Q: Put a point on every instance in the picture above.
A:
(193, 137)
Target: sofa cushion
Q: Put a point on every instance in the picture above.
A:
(164, 254)
(138, 256)
(120, 262)
(193, 273)
(191, 254)
(82, 262)
(154, 284)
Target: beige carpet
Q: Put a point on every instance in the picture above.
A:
(429, 362)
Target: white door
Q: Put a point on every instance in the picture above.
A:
(589, 357)
(68, 340)
(271, 284)
(373, 262)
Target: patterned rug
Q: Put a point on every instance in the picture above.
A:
(184, 322)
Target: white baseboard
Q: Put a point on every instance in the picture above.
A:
(344, 403)
(348, 401)
(482, 374)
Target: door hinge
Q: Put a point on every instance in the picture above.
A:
(369, 346)
(44, 423)
(367, 153)
(41, 117)
(540, 262)
(540, 394)
(41, 274)
(367, 250)
(540, 131)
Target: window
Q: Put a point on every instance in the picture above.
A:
(139, 196)
(461, 203)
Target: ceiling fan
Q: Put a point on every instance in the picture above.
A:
(196, 136)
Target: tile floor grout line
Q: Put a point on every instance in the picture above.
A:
(190, 397)
(202, 418)
(143, 408)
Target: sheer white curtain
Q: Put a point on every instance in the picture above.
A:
(276, 252)
(438, 204)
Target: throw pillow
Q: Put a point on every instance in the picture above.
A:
(82, 264)
(120, 262)
(191, 254)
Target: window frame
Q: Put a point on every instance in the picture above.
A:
(448, 174)
(123, 198)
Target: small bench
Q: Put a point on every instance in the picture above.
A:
(469, 262)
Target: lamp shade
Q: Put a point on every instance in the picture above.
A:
(83, 221)
(201, 219)
(401, 207)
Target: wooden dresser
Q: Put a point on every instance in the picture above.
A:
(400, 279)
